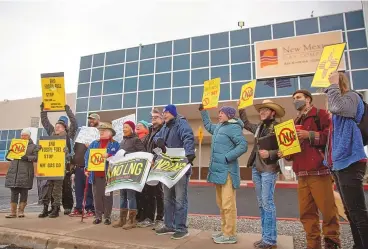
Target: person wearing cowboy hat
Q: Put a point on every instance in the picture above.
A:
(265, 168)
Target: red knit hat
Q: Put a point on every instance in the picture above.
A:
(131, 124)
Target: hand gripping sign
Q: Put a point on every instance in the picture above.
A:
(18, 148)
(287, 138)
(247, 94)
(211, 93)
(96, 160)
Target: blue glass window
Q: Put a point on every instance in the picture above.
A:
(98, 60)
(144, 114)
(81, 118)
(112, 102)
(145, 82)
(220, 40)
(305, 83)
(200, 60)
(130, 84)
(85, 62)
(199, 76)
(2, 155)
(221, 72)
(163, 80)
(358, 59)
(132, 54)
(115, 57)
(354, 20)
(182, 46)
(4, 135)
(8, 144)
(307, 26)
(2, 145)
(240, 72)
(200, 43)
(82, 105)
(333, 22)
(286, 86)
(129, 100)
(83, 90)
(97, 74)
(225, 92)
(131, 69)
(146, 67)
(220, 57)
(17, 133)
(11, 134)
(360, 79)
(147, 51)
(96, 88)
(261, 33)
(240, 54)
(181, 62)
(180, 95)
(94, 104)
(164, 49)
(163, 64)
(357, 39)
(239, 37)
(236, 90)
(282, 30)
(145, 98)
(113, 72)
(162, 97)
(265, 88)
(84, 76)
(181, 78)
(112, 86)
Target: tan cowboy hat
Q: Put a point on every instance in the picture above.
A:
(267, 103)
(106, 126)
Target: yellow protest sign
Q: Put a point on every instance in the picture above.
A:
(53, 91)
(96, 160)
(247, 94)
(328, 63)
(51, 158)
(211, 93)
(18, 148)
(287, 138)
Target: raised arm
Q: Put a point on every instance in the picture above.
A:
(207, 122)
(73, 122)
(46, 122)
(247, 125)
(343, 105)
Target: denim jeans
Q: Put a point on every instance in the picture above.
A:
(176, 204)
(80, 184)
(127, 199)
(265, 188)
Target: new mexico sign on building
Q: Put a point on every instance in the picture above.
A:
(296, 55)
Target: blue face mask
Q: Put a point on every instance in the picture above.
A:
(299, 104)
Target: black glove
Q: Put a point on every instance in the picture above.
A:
(24, 158)
(67, 108)
(191, 158)
(42, 106)
(160, 143)
(200, 108)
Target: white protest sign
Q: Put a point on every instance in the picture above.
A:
(117, 125)
(87, 135)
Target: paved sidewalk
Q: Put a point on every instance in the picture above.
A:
(69, 233)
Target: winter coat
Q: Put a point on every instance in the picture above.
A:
(131, 144)
(21, 173)
(228, 144)
(148, 142)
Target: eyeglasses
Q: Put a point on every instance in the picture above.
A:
(264, 110)
(154, 117)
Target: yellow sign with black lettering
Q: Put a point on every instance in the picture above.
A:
(51, 158)
(18, 148)
(247, 94)
(96, 160)
(53, 91)
(211, 93)
(287, 138)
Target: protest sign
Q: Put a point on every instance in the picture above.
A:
(87, 135)
(128, 172)
(211, 93)
(247, 94)
(287, 138)
(51, 158)
(169, 168)
(328, 63)
(96, 160)
(18, 148)
(117, 125)
(53, 91)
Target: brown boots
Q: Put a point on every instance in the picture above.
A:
(21, 207)
(13, 210)
(123, 218)
(131, 222)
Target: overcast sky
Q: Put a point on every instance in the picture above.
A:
(51, 36)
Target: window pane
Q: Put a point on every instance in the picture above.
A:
(146, 82)
(94, 104)
(115, 57)
(83, 90)
(265, 88)
(359, 59)
(222, 72)
(225, 92)
(181, 62)
(354, 20)
(181, 78)
(200, 43)
(145, 98)
(307, 26)
(98, 60)
(17, 133)
(357, 39)
(113, 86)
(240, 72)
(163, 65)
(132, 54)
(236, 90)
(200, 60)
(162, 97)
(181, 46)
(220, 57)
(164, 49)
(131, 69)
(85, 62)
(333, 22)
(147, 51)
(283, 30)
(305, 83)
(84, 76)
(130, 100)
(163, 80)
(82, 105)
(11, 134)
(261, 33)
(2, 145)
(220, 40)
(240, 54)
(180, 95)
(96, 88)
(199, 76)
(130, 84)
(113, 72)
(81, 118)
(4, 135)
(360, 79)
(286, 86)
(146, 67)
(144, 114)
(97, 74)
(239, 37)
(111, 102)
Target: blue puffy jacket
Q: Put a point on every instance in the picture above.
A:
(228, 144)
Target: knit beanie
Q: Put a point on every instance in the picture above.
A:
(26, 132)
(144, 123)
(171, 109)
(63, 121)
(131, 124)
(229, 111)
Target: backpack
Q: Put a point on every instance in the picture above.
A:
(363, 125)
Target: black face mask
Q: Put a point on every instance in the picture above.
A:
(299, 104)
